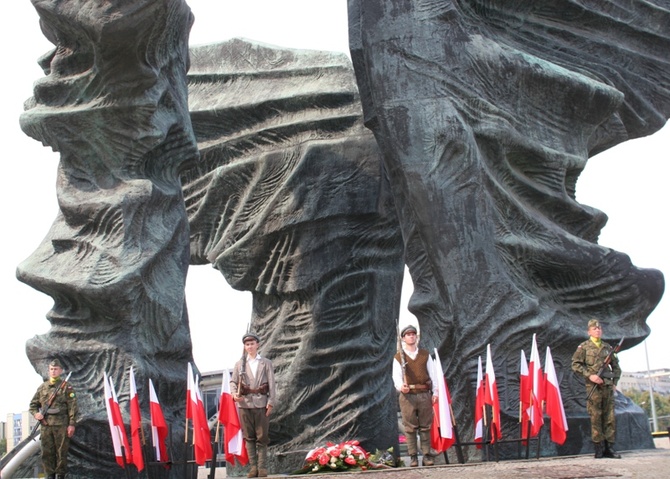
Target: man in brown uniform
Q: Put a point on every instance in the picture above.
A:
(413, 377)
(587, 361)
(57, 423)
(253, 388)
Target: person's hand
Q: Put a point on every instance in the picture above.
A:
(404, 389)
(594, 378)
(39, 416)
(70, 431)
(434, 399)
(268, 409)
(237, 398)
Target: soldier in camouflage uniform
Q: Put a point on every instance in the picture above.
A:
(58, 422)
(587, 361)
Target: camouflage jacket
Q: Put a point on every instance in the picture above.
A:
(589, 358)
(63, 410)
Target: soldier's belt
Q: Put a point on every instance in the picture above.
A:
(418, 388)
(261, 390)
(53, 410)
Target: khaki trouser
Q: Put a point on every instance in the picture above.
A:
(600, 407)
(417, 416)
(55, 444)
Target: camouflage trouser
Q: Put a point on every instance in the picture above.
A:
(55, 444)
(601, 409)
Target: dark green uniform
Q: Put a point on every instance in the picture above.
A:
(53, 436)
(587, 360)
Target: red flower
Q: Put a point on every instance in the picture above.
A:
(350, 460)
(323, 459)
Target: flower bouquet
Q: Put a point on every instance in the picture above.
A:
(345, 456)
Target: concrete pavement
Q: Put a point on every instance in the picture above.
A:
(645, 463)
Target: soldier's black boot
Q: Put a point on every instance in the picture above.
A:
(51, 476)
(610, 452)
(599, 450)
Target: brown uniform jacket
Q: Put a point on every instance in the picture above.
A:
(264, 375)
(588, 359)
(63, 410)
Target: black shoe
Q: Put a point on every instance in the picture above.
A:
(599, 450)
(610, 452)
(51, 476)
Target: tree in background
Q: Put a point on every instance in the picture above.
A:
(661, 402)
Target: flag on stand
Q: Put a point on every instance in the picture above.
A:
(201, 438)
(525, 392)
(479, 405)
(116, 427)
(159, 429)
(442, 435)
(554, 402)
(491, 397)
(233, 440)
(135, 424)
(537, 388)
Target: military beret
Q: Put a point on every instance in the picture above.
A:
(407, 329)
(594, 323)
(55, 363)
(250, 336)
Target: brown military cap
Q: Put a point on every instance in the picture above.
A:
(55, 363)
(250, 336)
(407, 329)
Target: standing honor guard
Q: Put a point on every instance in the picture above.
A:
(596, 361)
(253, 388)
(54, 405)
(413, 378)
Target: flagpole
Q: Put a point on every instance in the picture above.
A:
(459, 448)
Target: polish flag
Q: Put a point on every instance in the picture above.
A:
(559, 424)
(233, 439)
(525, 392)
(135, 424)
(479, 405)
(537, 387)
(491, 397)
(116, 427)
(201, 438)
(159, 429)
(442, 430)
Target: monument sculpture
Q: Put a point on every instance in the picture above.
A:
(113, 103)
(483, 113)
(486, 113)
(289, 202)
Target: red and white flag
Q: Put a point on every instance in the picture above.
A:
(116, 427)
(491, 397)
(159, 429)
(201, 437)
(554, 402)
(525, 392)
(229, 417)
(442, 435)
(135, 424)
(537, 387)
(479, 405)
